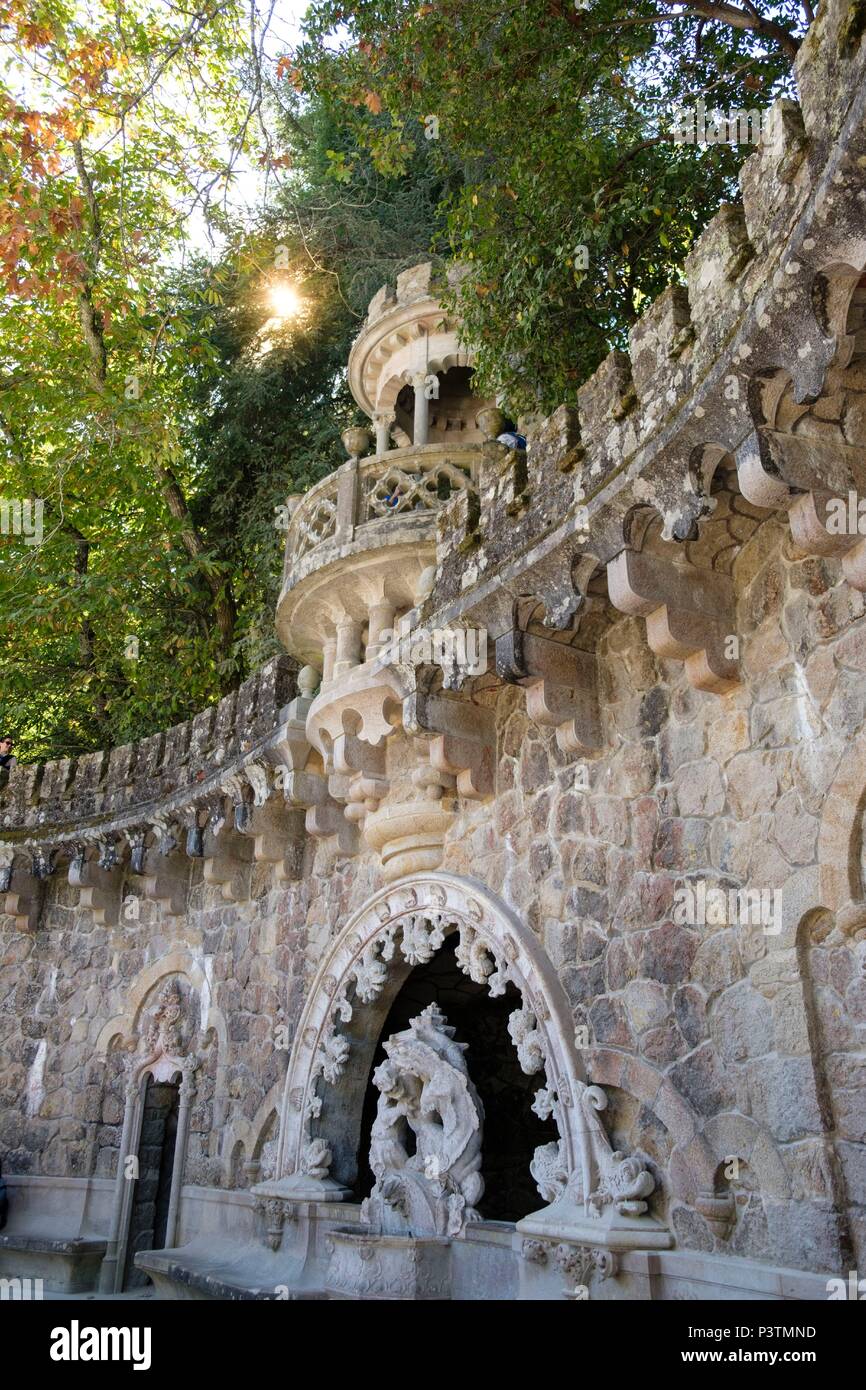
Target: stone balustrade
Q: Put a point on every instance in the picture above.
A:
(397, 484)
(357, 543)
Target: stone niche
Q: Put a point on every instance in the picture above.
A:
(425, 1153)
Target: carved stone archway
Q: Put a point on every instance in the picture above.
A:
(593, 1193)
(162, 1055)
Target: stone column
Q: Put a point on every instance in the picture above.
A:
(329, 655)
(187, 1095)
(348, 646)
(422, 409)
(383, 420)
(110, 1276)
(381, 620)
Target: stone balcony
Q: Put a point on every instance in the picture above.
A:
(357, 545)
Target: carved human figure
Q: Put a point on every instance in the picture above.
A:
(425, 1093)
(163, 1033)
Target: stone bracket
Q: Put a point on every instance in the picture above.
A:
(771, 465)
(463, 742)
(165, 881)
(227, 861)
(20, 893)
(277, 832)
(689, 614)
(561, 684)
(101, 889)
(327, 818)
(811, 532)
(290, 747)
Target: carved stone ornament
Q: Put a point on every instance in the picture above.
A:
(424, 1088)
(317, 1159)
(276, 1214)
(164, 1049)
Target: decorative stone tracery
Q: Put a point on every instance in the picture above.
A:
(592, 1189)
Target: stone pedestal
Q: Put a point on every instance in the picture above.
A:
(567, 1220)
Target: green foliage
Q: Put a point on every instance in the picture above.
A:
(552, 131)
(156, 403)
(242, 408)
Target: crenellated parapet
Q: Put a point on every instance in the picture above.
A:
(97, 788)
(237, 785)
(741, 394)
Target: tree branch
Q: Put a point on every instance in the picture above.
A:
(92, 325)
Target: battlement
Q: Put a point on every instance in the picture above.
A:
(45, 797)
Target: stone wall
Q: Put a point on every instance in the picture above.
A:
(753, 1042)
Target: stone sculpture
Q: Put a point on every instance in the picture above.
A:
(425, 1092)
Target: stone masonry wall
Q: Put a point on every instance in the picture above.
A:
(715, 1042)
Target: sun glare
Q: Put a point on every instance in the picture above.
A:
(285, 302)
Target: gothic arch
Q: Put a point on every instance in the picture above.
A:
(178, 962)
(251, 1134)
(402, 925)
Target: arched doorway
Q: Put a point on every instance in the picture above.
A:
(585, 1185)
(148, 1218)
(512, 1131)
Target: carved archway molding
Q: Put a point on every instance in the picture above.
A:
(164, 1050)
(593, 1193)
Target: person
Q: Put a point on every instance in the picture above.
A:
(6, 759)
(512, 439)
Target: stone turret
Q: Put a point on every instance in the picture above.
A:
(410, 372)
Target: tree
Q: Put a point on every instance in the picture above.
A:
(118, 123)
(569, 202)
(154, 406)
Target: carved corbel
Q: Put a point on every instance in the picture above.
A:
(463, 740)
(823, 523)
(364, 767)
(561, 685)
(689, 614)
(227, 859)
(100, 881)
(326, 819)
(275, 1214)
(165, 877)
(307, 804)
(772, 466)
(290, 748)
(277, 834)
(304, 789)
(20, 892)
